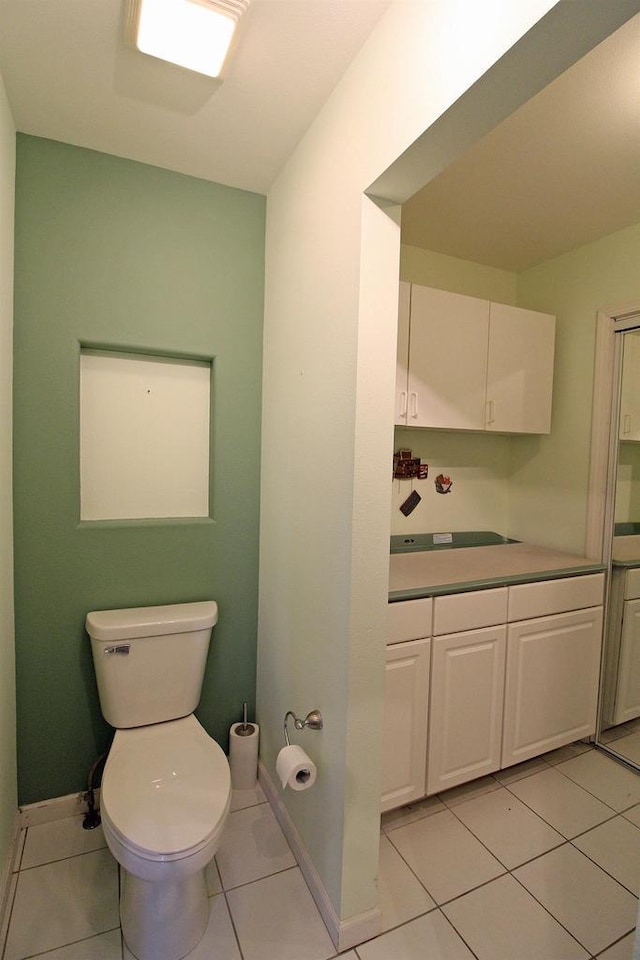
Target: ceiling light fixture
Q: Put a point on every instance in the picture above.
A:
(195, 34)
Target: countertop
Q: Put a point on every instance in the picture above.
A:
(434, 572)
(626, 551)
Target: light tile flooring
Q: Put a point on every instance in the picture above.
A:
(539, 862)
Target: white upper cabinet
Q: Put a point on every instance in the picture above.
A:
(447, 368)
(402, 353)
(467, 364)
(519, 370)
(630, 396)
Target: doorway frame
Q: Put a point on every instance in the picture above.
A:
(599, 526)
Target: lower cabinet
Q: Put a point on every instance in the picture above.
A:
(467, 684)
(551, 683)
(622, 669)
(628, 691)
(505, 674)
(406, 701)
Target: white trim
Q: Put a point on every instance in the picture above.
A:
(57, 808)
(344, 933)
(8, 879)
(600, 436)
(603, 445)
(624, 312)
(604, 452)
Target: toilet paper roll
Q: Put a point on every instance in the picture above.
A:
(243, 755)
(295, 769)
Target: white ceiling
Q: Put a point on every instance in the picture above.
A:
(563, 170)
(560, 172)
(70, 77)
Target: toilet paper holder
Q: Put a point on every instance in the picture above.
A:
(312, 720)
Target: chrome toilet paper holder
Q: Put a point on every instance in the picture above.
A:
(312, 720)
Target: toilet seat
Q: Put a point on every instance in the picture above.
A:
(166, 789)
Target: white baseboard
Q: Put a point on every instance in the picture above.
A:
(344, 933)
(57, 808)
(8, 879)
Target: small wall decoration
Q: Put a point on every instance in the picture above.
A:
(410, 503)
(443, 483)
(408, 467)
(405, 466)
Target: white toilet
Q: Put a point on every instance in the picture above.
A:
(166, 786)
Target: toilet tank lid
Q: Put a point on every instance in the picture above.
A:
(151, 621)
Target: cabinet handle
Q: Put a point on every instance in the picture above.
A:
(626, 423)
(414, 405)
(403, 403)
(490, 411)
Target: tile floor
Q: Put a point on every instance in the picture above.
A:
(539, 862)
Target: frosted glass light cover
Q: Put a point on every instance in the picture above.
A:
(195, 34)
(144, 436)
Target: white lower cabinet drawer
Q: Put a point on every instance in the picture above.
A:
(551, 683)
(469, 611)
(546, 597)
(409, 620)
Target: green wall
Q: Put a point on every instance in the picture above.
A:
(458, 276)
(116, 253)
(8, 788)
(574, 286)
(628, 483)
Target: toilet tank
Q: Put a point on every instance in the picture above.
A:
(149, 661)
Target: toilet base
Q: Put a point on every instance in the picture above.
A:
(163, 921)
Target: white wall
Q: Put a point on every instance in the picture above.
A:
(478, 465)
(330, 320)
(8, 789)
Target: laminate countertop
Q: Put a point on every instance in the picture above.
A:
(626, 551)
(431, 573)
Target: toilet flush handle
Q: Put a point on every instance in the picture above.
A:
(119, 648)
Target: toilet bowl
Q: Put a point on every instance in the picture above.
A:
(165, 797)
(166, 786)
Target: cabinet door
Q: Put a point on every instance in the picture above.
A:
(551, 689)
(519, 370)
(404, 740)
(627, 703)
(402, 355)
(465, 712)
(630, 397)
(447, 359)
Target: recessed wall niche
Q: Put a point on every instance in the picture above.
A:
(144, 436)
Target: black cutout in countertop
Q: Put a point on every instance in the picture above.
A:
(414, 542)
